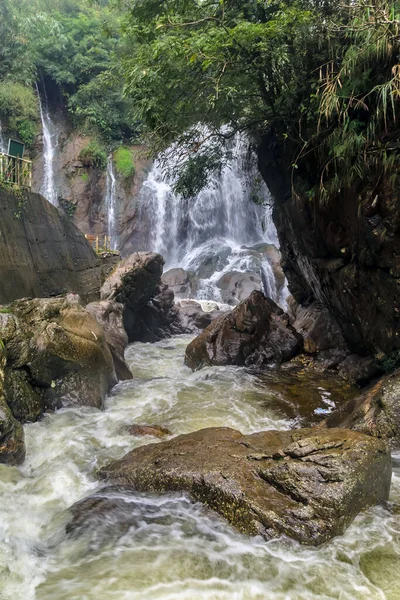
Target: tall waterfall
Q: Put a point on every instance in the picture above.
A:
(221, 227)
(110, 202)
(50, 142)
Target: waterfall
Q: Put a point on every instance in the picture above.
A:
(50, 141)
(3, 148)
(219, 232)
(110, 202)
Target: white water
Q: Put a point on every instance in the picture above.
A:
(221, 221)
(3, 148)
(50, 141)
(174, 550)
(110, 203)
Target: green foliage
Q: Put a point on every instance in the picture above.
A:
(124, 162)
(17, 101)
(68, 207)
(27, 131)
(85, 177)
(93, 155)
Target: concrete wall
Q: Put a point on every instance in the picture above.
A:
(42, 253)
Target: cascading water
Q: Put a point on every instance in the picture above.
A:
(50, 142)
(220, 231)
(3, 148)
(110, 202)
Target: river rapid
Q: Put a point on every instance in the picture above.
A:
(176, 549)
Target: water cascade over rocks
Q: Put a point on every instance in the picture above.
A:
(110, 202)
(50, 141)
(3, 148)
(222, 238)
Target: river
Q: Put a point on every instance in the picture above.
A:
(176, 549)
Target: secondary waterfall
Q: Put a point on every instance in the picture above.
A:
(110, 202)
(50, 141)
(220, 232)
(3, 148)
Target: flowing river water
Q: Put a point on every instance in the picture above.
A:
(176, 549)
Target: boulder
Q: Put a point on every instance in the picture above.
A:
(25, 402)
(359, 369)
(134, 281)
(62, 352)
(181, 282)
(236, 286)
(271, 252)
(257, 332)
(193, 318)
(375, 412)
(109, 315)
(308, 484)
(153, 430)
(12, 446)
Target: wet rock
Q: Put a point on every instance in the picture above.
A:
(271, 252)
(359, 369)
(256, 332)
(109, 315)
(62, 350)
(12, 445)
(134, 281)
(25, 402)
(375, 412)
(194, 318)
(153, 430)
(236, 286)
(308, 484)
(181, 282)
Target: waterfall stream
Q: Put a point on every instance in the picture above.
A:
(3, 148)
(50, 141)
(110, 202)
(220, 232)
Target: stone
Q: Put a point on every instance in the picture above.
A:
(256, 332)
(307, 484)
(109, 315)
(25, 402)
(194, 318)
(181, 282)
(153, 430)
(375, 412)
(236, 286)
(12, 445)
(359, 369)
(65, 352)
(134, 281)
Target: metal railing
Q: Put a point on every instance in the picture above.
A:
(16, 171)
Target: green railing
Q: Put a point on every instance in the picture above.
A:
(16, 171)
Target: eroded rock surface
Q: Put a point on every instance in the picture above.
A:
(256, 332)
(375, 412)
(193, 318)
(153, 430)
(308, 484)
(12, 446)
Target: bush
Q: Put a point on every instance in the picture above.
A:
(18, 101)
(27, 132)
(124, 162)
(94, 155)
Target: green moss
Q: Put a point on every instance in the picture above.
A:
(85, 177)
(93, 155)
(124, 162)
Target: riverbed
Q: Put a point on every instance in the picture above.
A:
(177, 549)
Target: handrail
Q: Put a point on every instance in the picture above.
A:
(16, 171)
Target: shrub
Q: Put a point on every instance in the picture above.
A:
(94, 155)
(27, 131)
(17, 101)
(124, 162)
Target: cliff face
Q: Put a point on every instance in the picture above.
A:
(42, 253)
(345, 253)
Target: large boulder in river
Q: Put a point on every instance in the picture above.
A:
(256, 332)
(308, 484)
(183, 283)
(60, 351)
(375, 412)
(236, 286)
(12, 447)
(193, 318)
(109, 315)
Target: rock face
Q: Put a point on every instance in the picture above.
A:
(376, 412)
(149, 312)
(12, 447)
(109, 315)
(236, 286)
(256, 332)
(344, 253)
(56, 355)
(193, 318)
(308, 484)
(42, 253)
(181, 282)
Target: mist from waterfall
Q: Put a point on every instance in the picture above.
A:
(110, 203)
(50, 141)
(222, 221)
